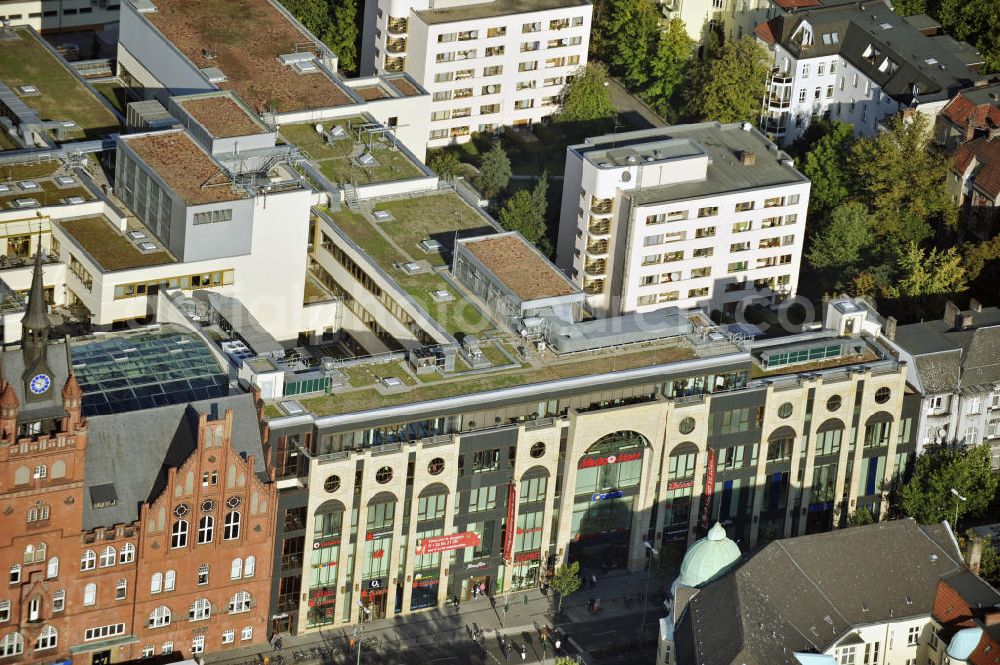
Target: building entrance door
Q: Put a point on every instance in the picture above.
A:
(101, 658)
(281, 624)
(475, 587)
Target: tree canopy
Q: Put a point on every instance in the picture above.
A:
(931, 272)
(838, 249)
(334, 23)
(521, 214)
(826, 164)
(445, 163)
(928, 497)
(494, 172)
(586, 98)
(566, 581)
(729, 83)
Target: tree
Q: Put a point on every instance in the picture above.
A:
(668, 66)
(632, 29)
(565, 660)
(901, 178)
(586, 98)
(445, 163)
(521, 213)
(928, 497)
(728, 85)
(977, 22)
(838, 249)
(566, 581)
(929, 273)
(826, 165)
(344, 36)
(540, 194)
(861, 517)
(494, 172)
(313, 14)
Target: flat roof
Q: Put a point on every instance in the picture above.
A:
(406, 88)
(46, 190)
(494, 8)
(723, 145)
(246, 37)
(222, 116)
(106, 245)
(61, 95)
(183, 165)
(370, 92)
(519, 267)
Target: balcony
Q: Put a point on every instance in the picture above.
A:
(395, 64)
(775, 101)
(601, 206)
(779, 77)
(398, 26)
(593, 286)
(597, 248)
(396, 45)
(596, 268)
(599, 227)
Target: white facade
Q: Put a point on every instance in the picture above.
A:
(484, 66)
(903, 642)
(733, 18)
(665, 221)
(61, 16)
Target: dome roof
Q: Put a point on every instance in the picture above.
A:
(708, 558)
(964, 643)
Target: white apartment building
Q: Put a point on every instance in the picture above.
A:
(486, 64)
(704, 215)
(858, 63)
(732, 18)
(64, 16)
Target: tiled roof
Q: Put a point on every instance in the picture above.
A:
(962, 110)
(986, 153)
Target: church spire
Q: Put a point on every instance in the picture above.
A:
(37, 317)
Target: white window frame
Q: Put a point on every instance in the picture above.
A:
(246, 633)
(90, 594)
(159, 617)
(109, 556)
(127, 554)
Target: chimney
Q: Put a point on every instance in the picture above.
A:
(992, 618)
(890, 328)
(975, 305)
(951, 312)
(748, 157)
(974, 553)
(970, 129)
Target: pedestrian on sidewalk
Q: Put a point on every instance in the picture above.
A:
(590, 604)
(558, 644)
(593, 580)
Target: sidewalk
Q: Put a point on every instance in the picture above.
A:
(527, 611)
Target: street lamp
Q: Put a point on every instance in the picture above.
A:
(958, 497)
(360, 632)
(650, 553)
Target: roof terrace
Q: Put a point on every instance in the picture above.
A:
(45, 183)
(188, 169)
(346, 151)
(108, 247)
(243, 39)
(58, 95)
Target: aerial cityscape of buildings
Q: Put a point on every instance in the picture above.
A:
(269, 372)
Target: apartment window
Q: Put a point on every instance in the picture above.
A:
(489, 109)
(179, 534)
(213, 216)
(496, 32)
(240, 602)
(200, 609)
(739, 246)
(444, 77)
(913, 636)
(805, 70)
(127, 553)
(47, 639)
(527, 66)
(577, 21)
(802, 96)
(250, 566)
(697, 293)
(740, 227)
(495, 70)
(4, 611)
(169, 580)
(705, 232)
(228, 637)
(522, 104)
(531, 27)
(490, 90)
(648, 280)
(653, 240)
(708, 212)
(121, 589)
(974, 405)
(462, 93)
(463, 74)
(59, 601)
(88, 561)
(486, 460)
(820, 69)
(833, 66)
(90, 594)
(829, 91)
(525, 85)
(203, 574)
(702, 252)
(670, 257)
(246, 633)
(440, 115)
(198, 644)
(701, 272)
(168, 647)
(148, 652)
(652, 259)
(846, 655)
(108, 557)
(41, 471)
(492, 51)
(743, 207)
(738, 266)
(646, 300)
(793, 199)
(529, 46)
(231, 528)
(102, 632)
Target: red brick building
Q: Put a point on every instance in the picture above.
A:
(126, 534)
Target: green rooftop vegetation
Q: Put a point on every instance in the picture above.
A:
(46, 192)
(61, 96)
(108, 247)
(337, 160)
(114, 91)
(464, 383)
(439, 217)
(314, 292)
(7, 143)
(367, 375)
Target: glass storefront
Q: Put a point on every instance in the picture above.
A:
(324, 561)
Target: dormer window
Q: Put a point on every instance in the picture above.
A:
(871, 54)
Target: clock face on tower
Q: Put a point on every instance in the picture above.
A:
(39, 383)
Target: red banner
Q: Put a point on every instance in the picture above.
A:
(680, 484)
(706, 509)
(527, 556)
(508, 543)
(454, 541)
(590, 462)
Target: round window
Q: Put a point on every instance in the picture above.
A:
(207, 506)
(687, 425)
(383, 475)
(833, 403)
(882, 395)
(234, 502)
(435, 466)
(537, 450)
(785, 410)
(181, 510)
(331, 484)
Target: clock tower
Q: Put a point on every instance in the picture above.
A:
(37, 376)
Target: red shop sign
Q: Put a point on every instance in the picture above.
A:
(378, 554)
(527, 556)
(680, 484)
(590, 462)
(454, 541)
(508, 545)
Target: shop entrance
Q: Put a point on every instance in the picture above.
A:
(282, 624)
(101, 658)
(481, 584)
(374, 598)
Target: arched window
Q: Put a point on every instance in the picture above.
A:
(40, 553)
(121, 589)
(179, 534)
(88, 561)
(231, 529)
(90, 594)
(29, 553)
(12, 644)
(169, 580)
(206, 529)
(52, 570)
(236, 571)
(47, 639)
(127, 554)
(37, 513)
(108, 557)
(240, 602)
(34, 609)
(59, 469)
(200, 609)
(248, 568)
(159, 617)
(156, 583)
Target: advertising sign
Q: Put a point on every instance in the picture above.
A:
(591, 462)
(706, 508)
(617, 494)
(508, 541)
(454, 541)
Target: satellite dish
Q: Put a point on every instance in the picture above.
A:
(491, 89)
(942, 432)
(319, 128)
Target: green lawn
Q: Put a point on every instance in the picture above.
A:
(367, 375)
(108, 247)
(47, 194)
(438, 217)
(457, 316)
(115, 92)
(334, 159)
(63, 96)
(6, 142)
